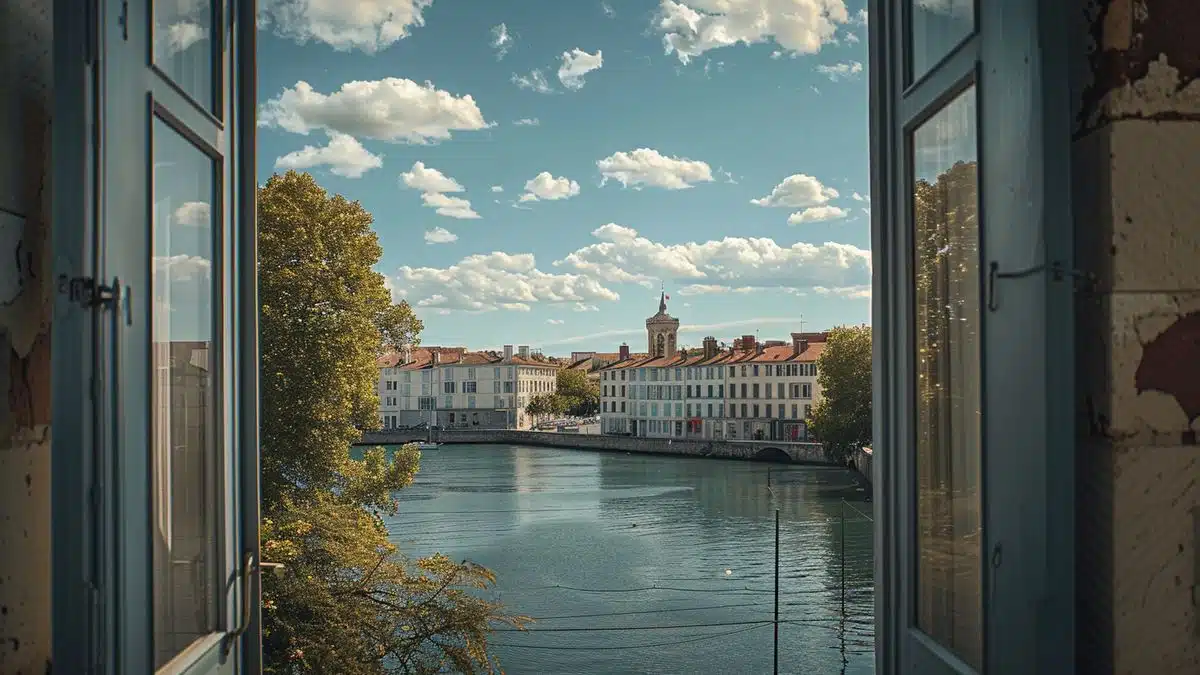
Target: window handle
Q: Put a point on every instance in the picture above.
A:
(249, 567)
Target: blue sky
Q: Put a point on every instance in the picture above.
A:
(718, 148)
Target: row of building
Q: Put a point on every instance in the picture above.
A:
(455, 388)
(747, 390)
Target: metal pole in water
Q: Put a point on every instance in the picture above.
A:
(843, 575)
(776, 668)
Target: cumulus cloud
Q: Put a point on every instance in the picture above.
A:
(440, 235)
(816, 214)
(690, 28)
(434, 186)
(624, 256)
(841, 71)
(646, 167)
(497, 188)
(555, 322)
(195, 214)
(367, 25)
(494, 281)
(797, 191)
(344, 156)
(182, 267)
(576, 64)
(501, 40)
(534, 81)
(451, 207)
(427, 179)
(860, 198)
(545, 187)
(391, 109)
(527, 122)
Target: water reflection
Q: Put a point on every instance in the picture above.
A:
(634, 543)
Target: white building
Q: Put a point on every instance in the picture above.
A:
(751, 390)
(452, 387)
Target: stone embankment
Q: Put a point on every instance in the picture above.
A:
(767, 451)
(863, 461)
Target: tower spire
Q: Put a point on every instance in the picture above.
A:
(662, 302)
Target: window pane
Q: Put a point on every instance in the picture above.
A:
(949, 580)
(937, 28)
(183, 47)
(184, 437)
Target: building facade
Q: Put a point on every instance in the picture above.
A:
(455, 388)
(749, 391)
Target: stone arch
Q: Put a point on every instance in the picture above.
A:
(773, 455)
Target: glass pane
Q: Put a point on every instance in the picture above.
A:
(937, 27)
(949, 523)
(183, 46)
(184, 440)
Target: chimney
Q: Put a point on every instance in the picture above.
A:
(710, 347)
(624, 351)
(759, 348)
(748, 343)
(436, 358)
(523, 350)
(406, 354)
(799, 343)
(508, 351)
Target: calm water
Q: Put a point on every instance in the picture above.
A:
(639, 546)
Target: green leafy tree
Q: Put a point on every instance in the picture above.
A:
(546, 405)
(580, 394)
(842, 418)
(347, 601)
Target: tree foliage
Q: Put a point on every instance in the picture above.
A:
(841, 420)
(347, 601)
(546, 405)
(580, 394)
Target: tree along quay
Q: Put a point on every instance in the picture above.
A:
(762, 451)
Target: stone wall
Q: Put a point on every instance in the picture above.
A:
(863, 461)
(809, 453)
(1135, 166)
(25, 316)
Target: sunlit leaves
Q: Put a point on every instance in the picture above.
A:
(842, 418)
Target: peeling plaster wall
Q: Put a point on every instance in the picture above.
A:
(1136, 171)
(25, 310)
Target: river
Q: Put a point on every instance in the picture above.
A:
(673, 557)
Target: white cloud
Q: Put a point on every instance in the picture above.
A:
(440, 235)
(957, 8)
(646, 167)
(451, 207)
(427, 179)
(624, 256)
(344, 156)
(195, 214)
(797, 191)
(391, 109)
(576, 64)
(182, 267)
(584, 307)
(608, 10)
(696, 329)
(860, 17)
(496, 281)
(555, 322)
(853, 292)
(860, 197)
(367, 25)
(693, 27)
(497, 188)
(527, 122)
(434, 185)
(545, 187)
(852, 38)
(534, 81)
(501, 40)
(841, 71)
(816, 214)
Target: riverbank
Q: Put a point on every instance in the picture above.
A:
(761, 451)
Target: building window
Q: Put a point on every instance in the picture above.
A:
(779, 390)
(471, 401)
(744, 410)
(769, 410)
(755, 370)
(806, 390)
(744, 390)
(469, 387)
(755, 410)
(795, 413)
